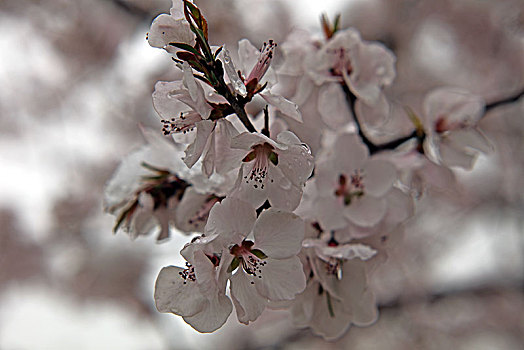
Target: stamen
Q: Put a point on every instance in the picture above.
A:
(188, 274)
(262, 155)
(264, 60)
(184, 123)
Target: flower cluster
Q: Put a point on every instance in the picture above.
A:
(292, 205)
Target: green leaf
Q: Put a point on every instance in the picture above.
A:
(234, 264)
(259, 254)
(186, 47)
(273, 157)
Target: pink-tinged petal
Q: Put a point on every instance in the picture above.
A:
(358, 299)
(373, 68)
(177, 9)
(196, 92)
(451, 156)
(302, 308)
(374, 115)
(245, 190)
(330, 213)
(333, 107)
(350, 152)
(379, 176)
(366, 211)
(165, 29)
(208, 162)
(246, 140)
(454, 105)
(192, 212)
(166, 104)
(281, 279)
(331, 325)
(469, 138)
(213, 315)
(344, 251)
(248, 55)
(232, 73)
(287, 108)
(281, 192)
(205, 274)
(400, 206)
(175, 296)
(248, 303)
(231, 217)
(278, 234)
(297, 164)
(226, 158)
(195, 150)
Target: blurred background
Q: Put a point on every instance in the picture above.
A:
(76, 78)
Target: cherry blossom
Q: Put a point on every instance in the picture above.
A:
(275, 170)
(172, 28)
(261, 77)
(350, 185)
(197, 293)
(450, 121)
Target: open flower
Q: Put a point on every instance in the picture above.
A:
(184, 107)
(337, 294)
(263, 254)
(450, 122)
(272, 170)
(197, 292)
(257, 77)
(350, 185)
(172, 28)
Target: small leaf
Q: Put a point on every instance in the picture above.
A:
(186, 47)
(234, 264)
(273, 157)
(259, 254)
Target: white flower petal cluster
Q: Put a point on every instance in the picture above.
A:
(293, 197)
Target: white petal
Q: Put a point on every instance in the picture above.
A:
(281, 192)
(279, 234)
(231, 217)
(330, 213)
(194, 150)
(471, 138)
(196, 92)
(366, 211)
(455, 105)
(333, 107)
(213, 315)
(451, 156)
(281, 279)
(172, 295)
(165, 29)
(373, 68)
(248, 56)
(286, 107)
(379, 176)
(248, 303)
(330, 326)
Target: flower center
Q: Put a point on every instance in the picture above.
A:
(261, 155)
(262, 65)
(188, 274)
(250, 259)
(184, 124)
(342, 63)
(354, 188)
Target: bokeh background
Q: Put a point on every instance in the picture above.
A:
(76, 78)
